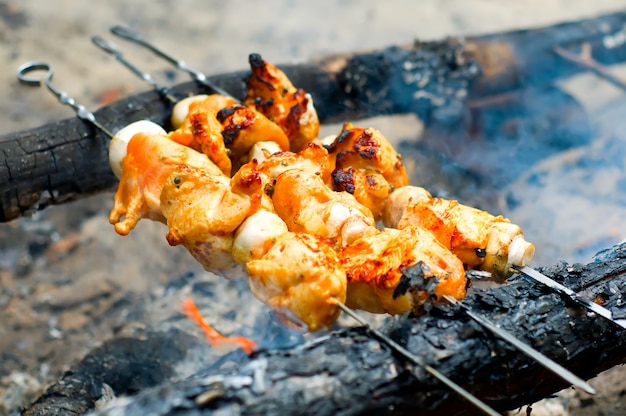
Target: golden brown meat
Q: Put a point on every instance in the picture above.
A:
(366, 165)
(482, 241)
(145, 164)
(271, 93)
(307, 205)
(301, 217)
(242, 127)
(313, 159)
(200, 130)
(301, 197)
(301, 279)
(398, 200)
(201, 102)
(204, 210)
(369, 188)
(374, 268)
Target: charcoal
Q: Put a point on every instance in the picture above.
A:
(123, 365)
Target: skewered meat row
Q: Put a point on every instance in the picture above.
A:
(480, 240)
(300, 215)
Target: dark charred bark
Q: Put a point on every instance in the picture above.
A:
(350, 372)
(67, 160)
(122, 366)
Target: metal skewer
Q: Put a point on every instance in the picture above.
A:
(570, 294)
(112, 48)
(586, 60)
(133, 36)
(551, 365)
(418, 361)
(81, 111)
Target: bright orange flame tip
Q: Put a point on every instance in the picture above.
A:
(191, 310)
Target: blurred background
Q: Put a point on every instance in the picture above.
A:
(217, 37)
(71, 254)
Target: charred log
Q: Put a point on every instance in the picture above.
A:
(123, 366)
(350, 372)
(67, 160)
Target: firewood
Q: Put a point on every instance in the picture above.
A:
(350, 372)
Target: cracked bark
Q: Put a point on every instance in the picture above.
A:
(349, 372)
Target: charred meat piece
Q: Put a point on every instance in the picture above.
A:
(242, 127)
(306, 204)
(366, 165)
(271, 93)
(197, 127)
(374, 268)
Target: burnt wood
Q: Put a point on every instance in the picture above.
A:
(121, 366)
(349, 372)
(67, 160)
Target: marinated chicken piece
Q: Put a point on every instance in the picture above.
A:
(242, 127)
(145, 161)
(313, 159)
(261, 151)
(366, 165)
(301, 279)
(211, 103)
(374, 268)
(481, 241)
(369, 150)
(297, 275)
(398, 200)
(307, 205)
(369, 188)
(200, 129)
(204, 210)
(331, 214)
(298, 186)
(271, 93)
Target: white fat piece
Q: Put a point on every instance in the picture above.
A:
(338, 215)
(521, 252)
(119, 142)
(263, 150)
(310, 112)
(255, 235)
(347, 223)
(506, 247)
(398, 200)
(181, 109)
